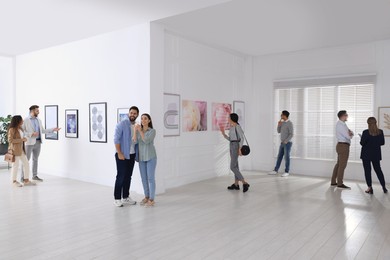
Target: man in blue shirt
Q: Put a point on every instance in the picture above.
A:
(125, 158)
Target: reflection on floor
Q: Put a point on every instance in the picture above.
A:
(279, 218)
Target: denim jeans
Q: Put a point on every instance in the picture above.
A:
(123, 176)
(148, 170)
(284, 150)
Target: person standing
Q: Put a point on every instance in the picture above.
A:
(236, 139)
(343, 136)
(125, 158)
(286, 130)
(16, 141)
(144, 136)
(34, 130)
(371, 141)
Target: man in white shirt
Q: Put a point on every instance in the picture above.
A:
(33, 130)
(344, 136)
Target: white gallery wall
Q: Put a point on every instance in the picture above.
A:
(371, 58)
(112, 68)
(7, 90)
(197, 72)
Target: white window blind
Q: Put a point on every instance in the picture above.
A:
(313, 111)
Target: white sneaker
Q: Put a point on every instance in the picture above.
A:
(129, 201)
(118, 203)
(285, 174)
(17, 184)
(273, 173)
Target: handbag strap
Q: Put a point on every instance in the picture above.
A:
(235, 128)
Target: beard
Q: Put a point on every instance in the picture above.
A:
(132, 118)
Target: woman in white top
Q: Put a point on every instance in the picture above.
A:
(16, 142)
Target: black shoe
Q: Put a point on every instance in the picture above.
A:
(36, 178)
(384, 189)
(333, 184)
(234, 187)
(245, 187)
(369, 191)
(342, 186)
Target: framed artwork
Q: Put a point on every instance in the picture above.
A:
(384, 120)
(171, 114)
(220, 116)
(51, 121)
(122, 113)
(239, 109)
(72, 123)
(98, 122)
(194, 117)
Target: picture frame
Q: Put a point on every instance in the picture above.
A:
(220, 113)
(384, 120)
(121, 114)
(51, 121)
(171, 115)
(98, 122)
(194, 116)
(239, 109)
(71, 123)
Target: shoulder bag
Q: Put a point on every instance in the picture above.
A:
(245, 149)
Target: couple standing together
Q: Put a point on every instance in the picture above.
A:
(371, 141)
(134, 142)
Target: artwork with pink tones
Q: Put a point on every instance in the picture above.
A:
(194, 116)
(220, 115)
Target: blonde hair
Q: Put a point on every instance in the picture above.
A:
(372, 127)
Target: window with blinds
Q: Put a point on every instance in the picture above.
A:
(313, 111)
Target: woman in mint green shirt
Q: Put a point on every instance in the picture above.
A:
(144, 136)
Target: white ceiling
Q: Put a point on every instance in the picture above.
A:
(259, 27)
(28, 25)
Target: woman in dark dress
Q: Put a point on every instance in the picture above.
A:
(371, 140)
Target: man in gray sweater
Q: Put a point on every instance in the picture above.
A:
(286, 131)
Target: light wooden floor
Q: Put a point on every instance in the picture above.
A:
(279, 218)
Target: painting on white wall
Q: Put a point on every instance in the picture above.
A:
(194, 116)
(98, 122)
(239, 109)
(122, 113)
(171, 114)
(220, 116)
(384, 120)
(51, 121)
(72, 123)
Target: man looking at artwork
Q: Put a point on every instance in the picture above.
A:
(124, 157)
(33, 130)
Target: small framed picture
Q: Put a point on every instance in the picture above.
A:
(171, 114)
(72, 123)
(98, 122)
(51, 121)
(384, 120)
(220, 113)
(122, 113)
(239, 109)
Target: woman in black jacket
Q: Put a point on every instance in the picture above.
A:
(371, 140)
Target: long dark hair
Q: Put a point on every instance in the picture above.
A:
(150, 123)
(15, 122)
